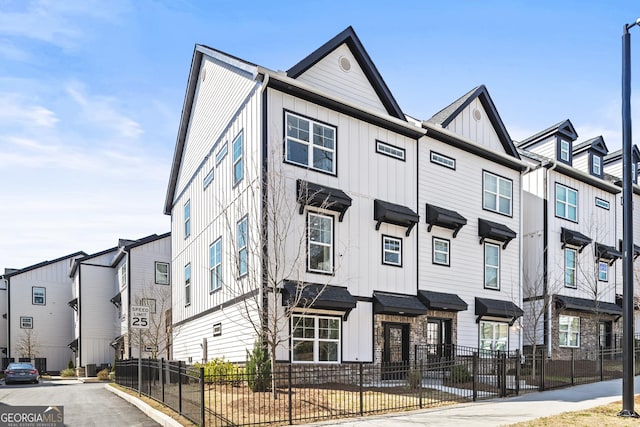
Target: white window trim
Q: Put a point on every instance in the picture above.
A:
(566, 203)
(385, 251)
(207, 180)
(187, 285)
(601, 277)
(310, 145)
(123, 275)
(434, 251)
(187, 218)
(26, 322)
(168, 274)
(569, 331)
(316, 339)
(239, 159)
(564, 152)
(596, 165)
(222, 153)
(242, 248)
(497, 194)
(215, 266)
(496, 267)
(310, 243)
(574, 268)
(33, 295)
(496, 326)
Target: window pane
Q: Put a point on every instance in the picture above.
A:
(490, 201)
(491, 255)
(490, 183)
(323, 159)
(505, 187)
(561, 193)
(297, 153)
(572, 213)
(491, 277)
(572, 197)
(327, 351)
(440, 257)
(319, 257)
(303, 351)
(323, 136)
(505, 205)
(560, 211)
(297, 127)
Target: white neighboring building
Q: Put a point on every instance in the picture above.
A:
(36, 309)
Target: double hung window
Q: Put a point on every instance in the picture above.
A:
(310, 143)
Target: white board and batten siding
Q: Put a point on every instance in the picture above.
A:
(597, 223)
(52, 322)
(581, 162)
(473, 123)
(461, 190)
(340, 75)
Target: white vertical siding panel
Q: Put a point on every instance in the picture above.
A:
(352, 85)
(480, 131)
(357, 340)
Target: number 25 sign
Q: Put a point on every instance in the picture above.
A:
(139, 317)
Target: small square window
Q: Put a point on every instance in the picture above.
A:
(603, 271)
(569, 331)
(392, 251)
(151, 303)
(26, 322)
(442, 160)
(38, 295)
(440, 251)
(217, 329)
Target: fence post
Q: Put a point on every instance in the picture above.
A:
(202, 396)
(290, 395)
(162, 377)
(503, 373)
(361, 391)
(420, 385)
(149, 375)
(518, 360)
(601, 363)
(475, 375)
(542, 374)
(180, 387)
(573, 366)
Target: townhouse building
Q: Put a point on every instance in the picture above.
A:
(296, 201)
(570, 243)
(469, 188)
(38, 324)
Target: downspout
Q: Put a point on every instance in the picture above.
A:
(262, 295)
(128, 263)
(545, 250)
(79, 355)
(8, 280)
(520, 248)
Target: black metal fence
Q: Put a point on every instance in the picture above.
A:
(293, 393)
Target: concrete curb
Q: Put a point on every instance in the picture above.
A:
(162, 419)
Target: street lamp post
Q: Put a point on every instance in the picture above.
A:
(627, 231)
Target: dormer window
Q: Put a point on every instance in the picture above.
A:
(564, 150)
(596, 165)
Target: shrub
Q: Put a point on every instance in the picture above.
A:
(70, 364)
(258, 368)
(459, 374)
(218, 370)
(103, 374)
(68, 373)
(414, 379)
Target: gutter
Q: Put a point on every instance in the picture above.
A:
(545, 262)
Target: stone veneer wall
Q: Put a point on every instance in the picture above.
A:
(589, 333)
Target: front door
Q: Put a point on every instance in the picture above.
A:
(395, 356)
(605, 335)
(438, 339)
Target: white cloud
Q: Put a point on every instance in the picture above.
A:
(14, 109)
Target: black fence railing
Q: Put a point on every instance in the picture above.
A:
(295, 393)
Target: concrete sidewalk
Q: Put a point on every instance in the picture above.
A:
(499, 412)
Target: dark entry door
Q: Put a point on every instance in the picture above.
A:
(605, 329)
(395, 358)
(439, 345)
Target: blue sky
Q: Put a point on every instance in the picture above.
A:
(91, 91)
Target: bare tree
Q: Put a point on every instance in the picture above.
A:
(28, 345)
(273, 254)
(157, 338)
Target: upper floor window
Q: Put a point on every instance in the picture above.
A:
(442, 160)
(440, 251)
(601, 203)
(38, 295)
(390, 150)
(187, 219)
(392, 251)
(491, 266)
(162, 273)
(310, 143)
(497, 193)
(315, 339)
(565, 150)
(566, 203)
(222, 152)
(320, 243)
(208, 179)
(187, 284)
(123, 275)
(570, 264)
(238, 171)
(603, 271)
(242, 238)
(215, 265)
(596, 165)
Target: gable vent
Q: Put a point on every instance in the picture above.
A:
(345, 64)
(477, 115)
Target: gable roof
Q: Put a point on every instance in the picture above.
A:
(616, 156)
(349, 37)
(445, 116)
(127, 245)
(43, 264)
(594, 144)
(565, 128)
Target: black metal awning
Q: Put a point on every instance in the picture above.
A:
(636, 248)
(442, 301)
(486, 307)
(321, 196)
(388, 303)
(445, 218)
(584, 304)
(73, 304)
(117, 341)
(394, 214)
(495, 231)
(574, 238)
(117, 300)
(73, 345)
(608, 252)
(313, 295)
